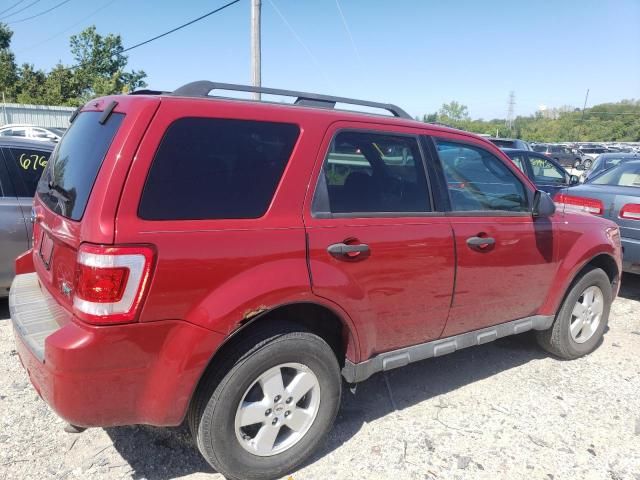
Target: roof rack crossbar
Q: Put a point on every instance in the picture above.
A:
(202, 88)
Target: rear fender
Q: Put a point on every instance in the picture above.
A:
(246, 297)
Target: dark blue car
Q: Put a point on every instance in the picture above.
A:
(545, 172)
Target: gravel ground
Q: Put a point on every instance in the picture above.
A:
(502, 410)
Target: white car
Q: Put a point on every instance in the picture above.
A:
(47, 134)
(593, 151)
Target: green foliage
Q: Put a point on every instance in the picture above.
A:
(607, 122)
(453, 112)
(99, 70)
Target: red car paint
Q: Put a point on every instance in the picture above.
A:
(210, 278)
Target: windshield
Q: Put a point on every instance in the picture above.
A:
(625, 175)
(610, 162)
(68, 179)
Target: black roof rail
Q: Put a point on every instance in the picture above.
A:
(202, 88)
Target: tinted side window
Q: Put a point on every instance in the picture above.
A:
(25, 167)
(6, 187)
(477, 180)
(207, 168)
(370, 172)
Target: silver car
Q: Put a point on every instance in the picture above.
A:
(21, 164)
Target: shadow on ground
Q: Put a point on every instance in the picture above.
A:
(158, 453)
(4, 308)
(161, 454)
(630, 286)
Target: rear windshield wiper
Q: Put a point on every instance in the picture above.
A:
(61, 191)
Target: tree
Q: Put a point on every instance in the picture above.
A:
(453, 112)
(30, 84)
(8, 69)
(605, 122)
(430, 118)
(101, 65)
(99, 70)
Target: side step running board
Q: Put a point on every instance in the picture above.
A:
(357, 372)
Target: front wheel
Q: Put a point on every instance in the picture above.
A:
(582, 318)
(267, 406)
(587, 163)
(577, 162)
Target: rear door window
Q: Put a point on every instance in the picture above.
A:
(374, 173)
(67, 182)
(208, 168)
(25, 167)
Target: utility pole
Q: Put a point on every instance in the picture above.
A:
(510, 111)
(586, 97)
(256, 51)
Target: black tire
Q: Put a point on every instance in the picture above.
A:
(587, 163)
(212, 414)
(577, 162)
(557, 339)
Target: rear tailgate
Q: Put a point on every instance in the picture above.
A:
(79, 191)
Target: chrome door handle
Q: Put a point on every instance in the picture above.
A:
(343, 250)
(480, 243)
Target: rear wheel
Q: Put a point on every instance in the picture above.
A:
(268, 405)
(587, 163)
(582, 319)
(577, 162)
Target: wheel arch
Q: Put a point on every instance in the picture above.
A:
(326, 321)
(604, 261)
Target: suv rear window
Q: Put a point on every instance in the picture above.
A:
(208, 168)
(67, 181)
(503, 143)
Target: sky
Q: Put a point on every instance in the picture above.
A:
(417, 54)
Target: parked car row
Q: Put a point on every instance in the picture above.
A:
(230, 263)
(32, 132)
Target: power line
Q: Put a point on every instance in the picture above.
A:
(56, 35)
(41, 13)
(589, 112)
(181, 26)
(21, 10)
(12, 6)
(297, 37)
(346, 27)
(128, 49)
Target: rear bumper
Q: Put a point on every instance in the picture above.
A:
(630, 255)
(107, 376)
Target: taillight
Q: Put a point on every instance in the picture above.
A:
(583, 204)
(631, 211)
(110, 282)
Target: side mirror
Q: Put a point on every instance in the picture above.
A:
(580, 167)
(543, 206)
(574, 180)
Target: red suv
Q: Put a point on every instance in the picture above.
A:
(229, 262)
